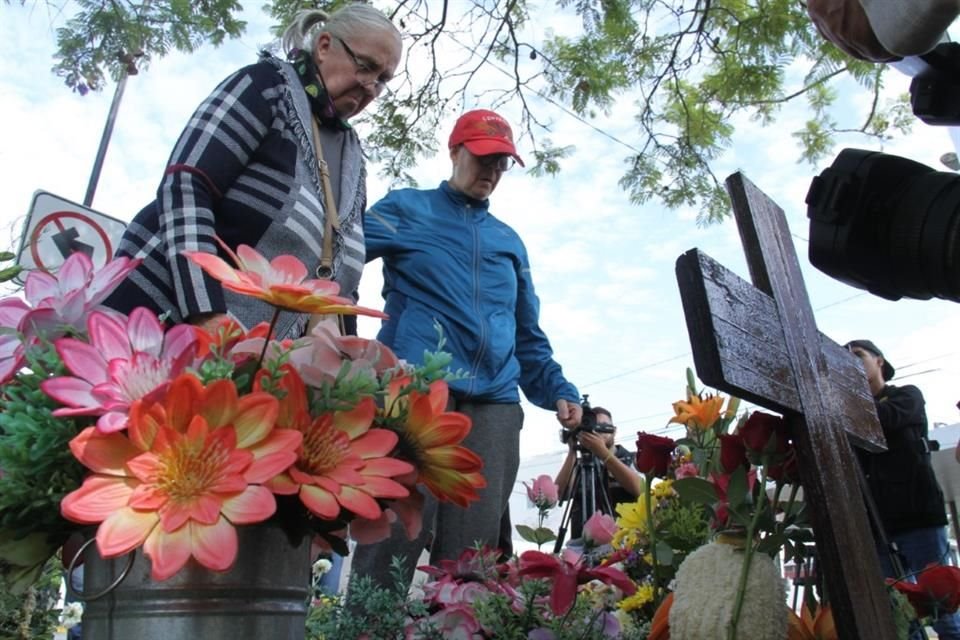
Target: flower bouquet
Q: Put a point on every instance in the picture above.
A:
(168, 439)
(700, 541)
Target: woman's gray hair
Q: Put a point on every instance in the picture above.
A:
(349, 21)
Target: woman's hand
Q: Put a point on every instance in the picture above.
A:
(569, 413)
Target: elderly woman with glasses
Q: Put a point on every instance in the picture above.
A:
(247, 170)
(448, 260)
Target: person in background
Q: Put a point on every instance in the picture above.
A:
(956, 449)
(621, 481)
(448, 260)
(246, 170)
(901, 479)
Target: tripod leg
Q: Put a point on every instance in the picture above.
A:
(890, 546)
(605, 505)
(568, 498)
(892, 551)
(589, 490)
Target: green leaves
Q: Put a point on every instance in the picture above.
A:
(538, 536)
(95, 40)
(691, 68)
(38, 467)
(696, 490)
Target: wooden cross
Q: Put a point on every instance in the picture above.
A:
(760, 342)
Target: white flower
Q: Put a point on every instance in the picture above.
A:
(321, 566)
(71, 614)
(706, 589)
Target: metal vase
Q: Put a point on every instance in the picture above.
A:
(264, 594)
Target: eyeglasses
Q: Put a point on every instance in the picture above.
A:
(499, 161)
(365, 67)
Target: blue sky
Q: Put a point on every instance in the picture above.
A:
(604, 269)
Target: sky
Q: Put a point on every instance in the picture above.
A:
(603, 267)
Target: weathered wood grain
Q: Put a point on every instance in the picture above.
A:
(760, 342)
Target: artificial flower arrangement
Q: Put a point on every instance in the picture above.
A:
(167, 439)
(699, 542)
(481, 594)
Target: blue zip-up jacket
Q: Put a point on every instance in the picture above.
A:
(447, 258)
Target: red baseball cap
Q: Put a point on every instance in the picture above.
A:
(484, 133)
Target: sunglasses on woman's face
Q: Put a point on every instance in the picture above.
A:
(499, 161)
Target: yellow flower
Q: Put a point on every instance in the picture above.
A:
(633, 515)
(663, 489)
(632, 523)
(696, 412)
(643, 595)
(625, 539)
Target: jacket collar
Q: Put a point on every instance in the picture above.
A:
(462, 199)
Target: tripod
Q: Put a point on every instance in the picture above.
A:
(587, 483)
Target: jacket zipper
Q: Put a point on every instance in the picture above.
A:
(476, 297)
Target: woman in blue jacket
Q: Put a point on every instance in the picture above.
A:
(448, 260)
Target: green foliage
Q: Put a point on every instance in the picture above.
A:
(691, 66)
(11, 272)
(38, 467)
(547, 159)
(95, 41)
(366, 611)
(682, 525)
(696, 65)
(31, 614)
(38, 470)
(903, 613)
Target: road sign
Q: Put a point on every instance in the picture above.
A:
(56, 227)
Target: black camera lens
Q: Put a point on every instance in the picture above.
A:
(888, 225)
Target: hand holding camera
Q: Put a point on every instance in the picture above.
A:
(569, 413)
(595, 443)
(588, 424)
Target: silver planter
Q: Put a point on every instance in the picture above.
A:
(264, 594)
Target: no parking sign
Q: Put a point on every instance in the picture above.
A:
(56, 227)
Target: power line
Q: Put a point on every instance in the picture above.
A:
(918, 373)
(840, 301)
(629, 371)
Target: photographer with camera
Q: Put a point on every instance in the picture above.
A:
(904, 488)
(595, 436)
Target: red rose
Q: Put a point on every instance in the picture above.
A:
(787, 470)
(653, 454)
(936, 591)
(764, 433)
(733, 453)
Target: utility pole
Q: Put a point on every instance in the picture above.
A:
(129, 69)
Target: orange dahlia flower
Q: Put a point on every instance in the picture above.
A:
(189, 468)
(431, 436)
(343, 460)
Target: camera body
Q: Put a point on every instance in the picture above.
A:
(935, 89)
(588, 423)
